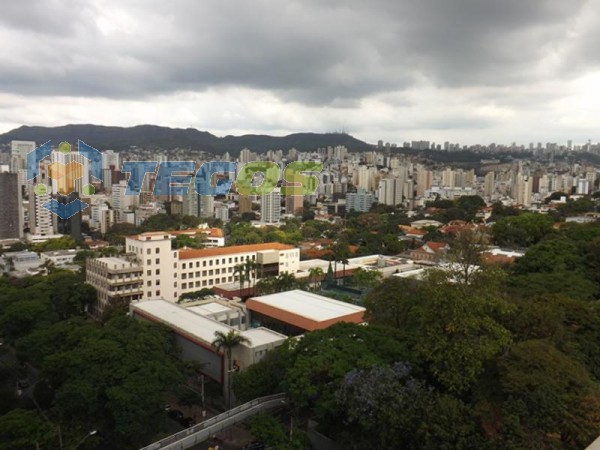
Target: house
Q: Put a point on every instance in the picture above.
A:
(430, 252)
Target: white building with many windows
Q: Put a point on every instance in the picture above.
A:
(167, 273)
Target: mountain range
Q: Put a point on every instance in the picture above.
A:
(152, 136)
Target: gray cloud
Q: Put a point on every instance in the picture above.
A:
(306, 52)
(344, 60)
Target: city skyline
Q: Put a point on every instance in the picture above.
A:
(462, 71)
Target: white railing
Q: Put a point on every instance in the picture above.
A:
(202, 431)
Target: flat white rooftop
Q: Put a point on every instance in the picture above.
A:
(181, 319)
(210, 308)
(263, 336)
(198, 326)
(308, 305)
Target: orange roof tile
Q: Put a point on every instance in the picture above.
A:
(436, 246)
(208, 252)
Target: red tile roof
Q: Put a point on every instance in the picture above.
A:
(208, 252)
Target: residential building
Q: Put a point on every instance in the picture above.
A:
(360, 201)
(270, 207)
(11, 225)
(118, 281)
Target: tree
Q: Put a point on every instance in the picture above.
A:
(522, 230)
(366, 279)
(227, 342)
(112, 378)
(320, 360)
(465, 254)
(184, 241)
(394, 302)
(240, 271)
(552, 394)
(314, 275)
(270, 431)
(23, 430)
(387, 407)
(197, 295)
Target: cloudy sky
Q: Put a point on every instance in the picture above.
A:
(468, 71)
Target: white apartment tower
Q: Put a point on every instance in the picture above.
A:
(270, 207)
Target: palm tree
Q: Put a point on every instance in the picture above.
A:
(240, 271)
(226, 342)
(251, 269)
(314, 275)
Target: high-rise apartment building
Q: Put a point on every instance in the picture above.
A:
(360, 201)
(11, 226)
(489, 184)
(270, 207)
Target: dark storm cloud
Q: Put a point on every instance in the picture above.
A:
(307, 52)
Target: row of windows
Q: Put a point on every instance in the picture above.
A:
(217, 261)
(206, 283)
(205, 273)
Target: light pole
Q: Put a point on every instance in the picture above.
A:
(91, 433)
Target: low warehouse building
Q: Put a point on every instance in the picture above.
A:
(295, 312)
(195, 334)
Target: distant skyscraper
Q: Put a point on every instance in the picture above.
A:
(207, 206)
(489, 184)
(270, 207)
(222, 212)
(360, 201)
(245, 156)
(244, 204)
(390, 191)
(11, 226)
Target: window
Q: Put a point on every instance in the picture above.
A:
(210, 263)
(174, 265)
(183, 266)
(183, 285)
(148, 251)
(148, 272)
(157, 271)
(175, 285)
(157, 293)
(223, 261)
(204, 273)
(197, 263)
(148, 262)
(217, 271)
(230, 260)
(197, 284)
(236, 259)
(157, 250)
(157, 261)
(198, 274)
(210, 272)
(148, 283)
(184, 276)
(149, 294)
